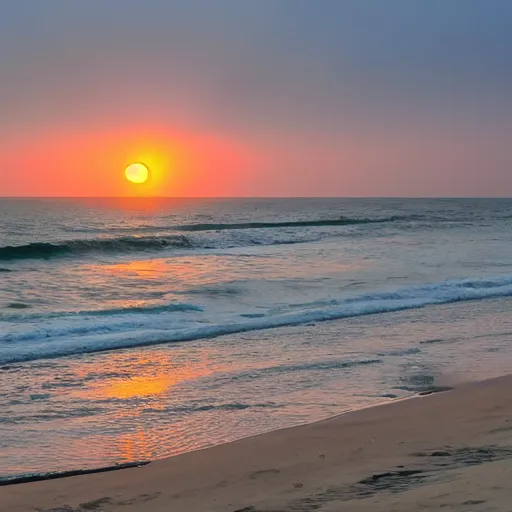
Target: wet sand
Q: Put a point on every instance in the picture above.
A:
(449, 450)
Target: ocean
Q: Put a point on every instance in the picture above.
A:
(135, 329)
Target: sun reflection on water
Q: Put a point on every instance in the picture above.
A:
(136, 446)
(135, 375)
(136, 386)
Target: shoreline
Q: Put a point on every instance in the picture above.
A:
(375, 456)
(55, 475)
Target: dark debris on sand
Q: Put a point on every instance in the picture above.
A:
(400, 480)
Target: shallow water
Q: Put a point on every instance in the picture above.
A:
(147, 403)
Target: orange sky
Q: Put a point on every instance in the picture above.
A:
(92, 164)
(277, 98)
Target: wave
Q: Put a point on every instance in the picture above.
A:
(343, 221)
(46, 250)
(73, 336)
(400, 352)
(127, 244)
(233, 406)
(17, 305)
(109, 312)
(215, 226)
(315, 366)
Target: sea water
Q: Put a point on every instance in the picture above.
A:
(139, 328)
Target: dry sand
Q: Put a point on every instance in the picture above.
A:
(450, 451)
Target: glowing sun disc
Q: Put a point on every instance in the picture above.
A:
(137, 173)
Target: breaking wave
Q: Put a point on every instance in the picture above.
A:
(45, 250)
(129, 244)
(109, 312)
(97, 331)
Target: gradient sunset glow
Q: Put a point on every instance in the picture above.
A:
(283, 98)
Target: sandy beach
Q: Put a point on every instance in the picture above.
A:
(448, 450)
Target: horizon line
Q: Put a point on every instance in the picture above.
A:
(253, 197)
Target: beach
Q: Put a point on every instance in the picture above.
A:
(135, 334)
(447, 450)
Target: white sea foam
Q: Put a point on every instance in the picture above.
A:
(83, 333)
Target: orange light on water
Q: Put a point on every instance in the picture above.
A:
(152, 374)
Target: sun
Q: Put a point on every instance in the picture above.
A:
(137, 173)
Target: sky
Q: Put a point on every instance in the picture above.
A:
(256, 97)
